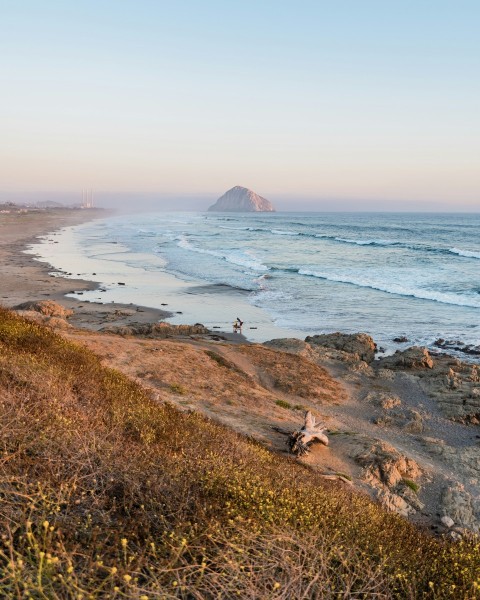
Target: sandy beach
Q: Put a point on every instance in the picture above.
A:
(100, 286)
(23, 279)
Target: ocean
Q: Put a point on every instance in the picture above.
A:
(390, 275)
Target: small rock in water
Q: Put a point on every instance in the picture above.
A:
(400, 340)
(121, 283)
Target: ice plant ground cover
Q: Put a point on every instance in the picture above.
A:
(107, 493)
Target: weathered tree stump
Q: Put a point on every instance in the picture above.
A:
(299, 441)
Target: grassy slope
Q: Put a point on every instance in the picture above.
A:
(105, 493)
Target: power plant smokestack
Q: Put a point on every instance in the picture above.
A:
(87, 199)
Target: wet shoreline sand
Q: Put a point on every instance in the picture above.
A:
(23, 278)
(118, 277)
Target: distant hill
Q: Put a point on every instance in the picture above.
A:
(49, 204)
(241, 199)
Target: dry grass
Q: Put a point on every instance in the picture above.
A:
(295, 374)
(106, 494)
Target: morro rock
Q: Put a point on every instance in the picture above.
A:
(240, 199)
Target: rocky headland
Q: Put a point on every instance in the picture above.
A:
(241, 199)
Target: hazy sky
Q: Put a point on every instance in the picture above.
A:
(343, 103)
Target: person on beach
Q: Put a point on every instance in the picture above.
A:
(237, 325)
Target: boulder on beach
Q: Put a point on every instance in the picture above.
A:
(241, 199)
(415, 358)
(359, 344)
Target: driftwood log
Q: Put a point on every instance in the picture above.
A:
(299, 441)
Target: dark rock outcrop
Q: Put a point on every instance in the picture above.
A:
(359, 344)
(412, 358)
(457, 346)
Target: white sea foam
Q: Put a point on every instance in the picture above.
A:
(367, 242)
(261, 230)
(465, 253)
(396, 288)
(246, 259)
(234, 228)
(281, 232)
(240, 258)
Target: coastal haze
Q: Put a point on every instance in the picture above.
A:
(315, 106)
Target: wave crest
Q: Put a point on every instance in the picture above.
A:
(465, 253)
(396, 288)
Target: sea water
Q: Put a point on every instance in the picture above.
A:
(390, 275)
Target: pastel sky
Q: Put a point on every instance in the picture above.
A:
(313, 104)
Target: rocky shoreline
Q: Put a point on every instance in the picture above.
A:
(402, 428)
(421, 458)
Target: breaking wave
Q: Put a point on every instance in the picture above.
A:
(465, 253)
(240, 258)
(396, 288)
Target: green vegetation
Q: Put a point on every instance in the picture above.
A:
(412, 485)
(344, 475)
(104, 493)
(176, 388)
(283, 404)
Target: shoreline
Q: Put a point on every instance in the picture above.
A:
(25, 278)
(27, 275)
(119, 283)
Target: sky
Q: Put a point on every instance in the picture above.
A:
(370, 105)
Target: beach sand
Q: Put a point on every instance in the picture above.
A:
(23, 279)
(129, 279)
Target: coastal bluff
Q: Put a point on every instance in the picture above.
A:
(241, 199)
